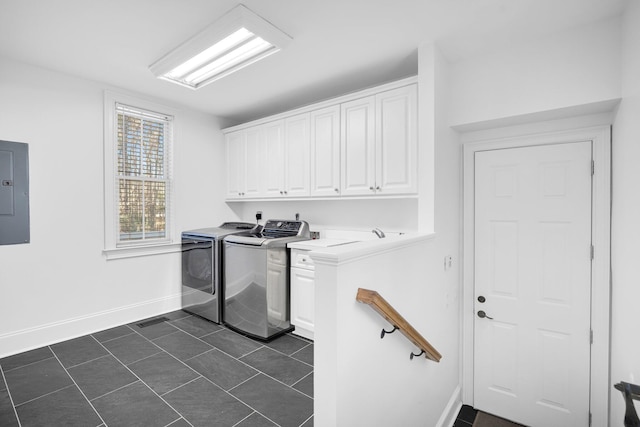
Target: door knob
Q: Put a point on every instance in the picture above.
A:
(481, 299)
(482, 315)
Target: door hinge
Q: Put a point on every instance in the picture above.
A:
(591, 336)
(593, 167)
(592, 252)
(590, 419)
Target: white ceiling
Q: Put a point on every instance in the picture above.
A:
(338, 45)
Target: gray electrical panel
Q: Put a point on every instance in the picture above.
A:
(14, 193)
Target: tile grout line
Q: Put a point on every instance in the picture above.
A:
(181, 418)
(258, 372)
(305, 421)
(268, 376)
(300, 380)
(182, 385)
(201, 376)
(249, 406)
(140, 379)
(245, 418)
(212, 347)
(13, 406)
(88, 361)
(215, 385)
(255, 412)
(32, 363)
(113, 339)
(273, 378)
(222, 328)
(43, 395)
(77, 386)
(145, 358)
(113, 391)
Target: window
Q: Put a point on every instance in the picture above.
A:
(143, 181)
(138, 139)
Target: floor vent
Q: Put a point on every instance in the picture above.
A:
(152, 322)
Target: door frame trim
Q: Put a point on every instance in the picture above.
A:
(600, 267)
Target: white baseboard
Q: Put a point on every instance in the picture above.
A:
(51, 333)
(450, 413)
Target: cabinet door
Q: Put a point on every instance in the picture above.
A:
(303, 301)
(254, 183)
(277, 294)
(358, 147)
(274, 161)
(325, 152)
(396, 141)
(297, 156)
(236, 153)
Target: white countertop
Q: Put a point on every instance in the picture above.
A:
(311, 245)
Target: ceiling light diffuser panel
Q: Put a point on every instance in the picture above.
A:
(237, 39)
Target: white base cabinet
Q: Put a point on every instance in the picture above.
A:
(302, 293)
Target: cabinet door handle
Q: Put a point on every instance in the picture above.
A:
(371, 188)
(378, 189)
(336, 190)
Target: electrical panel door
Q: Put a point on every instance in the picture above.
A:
(14, 193)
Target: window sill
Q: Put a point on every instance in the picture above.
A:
(138, 251)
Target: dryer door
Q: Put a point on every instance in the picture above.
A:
(198, 263)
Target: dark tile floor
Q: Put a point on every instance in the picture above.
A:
(466, 417)
(183, 371)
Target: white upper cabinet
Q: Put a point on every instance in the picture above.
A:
(296, 168)
(396, 141)
(325, 152)
(254, 184)
(245, 164)
(379, 143)
(236, 156)
(362, 145)
(358, 147)
(273, 161)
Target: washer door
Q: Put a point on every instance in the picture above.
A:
(198, 264)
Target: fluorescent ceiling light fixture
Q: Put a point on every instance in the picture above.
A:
(237, 39)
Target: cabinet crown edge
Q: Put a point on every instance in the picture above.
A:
(407, 81)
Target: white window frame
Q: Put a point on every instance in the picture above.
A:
(113, 249)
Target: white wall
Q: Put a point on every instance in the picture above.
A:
(390, 215)
(574, 67)
(625, 233)
(60, 285)
(361, 380)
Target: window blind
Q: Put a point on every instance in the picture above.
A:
(143, 181)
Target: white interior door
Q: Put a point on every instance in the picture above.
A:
(533, 272)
